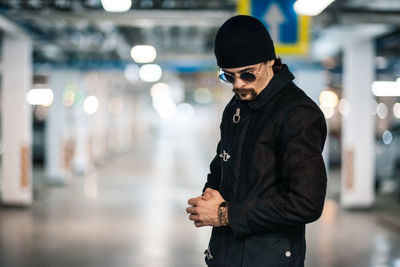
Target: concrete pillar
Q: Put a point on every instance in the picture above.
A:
(358, 159)
(81, 162)
(97, 83)
(125, 124)
(16, 173)
(58, 143)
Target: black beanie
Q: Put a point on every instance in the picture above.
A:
(242, 41)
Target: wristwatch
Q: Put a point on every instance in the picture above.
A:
(223, 213)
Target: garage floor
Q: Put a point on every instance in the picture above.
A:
(131, 212)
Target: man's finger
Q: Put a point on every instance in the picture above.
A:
(209, 190)
(193, 201)
(191, 210)
(199, 224)
(194, 217)
(206, 196)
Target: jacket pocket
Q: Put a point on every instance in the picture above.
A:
(269, 251)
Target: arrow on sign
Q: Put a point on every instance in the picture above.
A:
(274, 17)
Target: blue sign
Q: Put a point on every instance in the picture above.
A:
(289, 31)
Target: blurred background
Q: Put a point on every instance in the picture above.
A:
(110, 116)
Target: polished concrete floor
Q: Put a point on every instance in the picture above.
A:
(131, 212)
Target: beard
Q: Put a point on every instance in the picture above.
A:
(245, 94)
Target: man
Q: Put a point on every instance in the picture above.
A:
(268, 178)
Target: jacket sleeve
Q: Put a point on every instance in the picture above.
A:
(301, 199)
(214, 177)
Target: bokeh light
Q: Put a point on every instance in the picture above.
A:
(90, 105)
(150, 73)
(328, 99)
(382, 110)
(143, 53)
(202, 95)
(160, 90)
(387, 137)
(116, 5)
(328, 112)
(42, 97)
(344, 107)
(396, 110)
(115, 105)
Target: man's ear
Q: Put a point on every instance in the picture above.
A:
(270, 63)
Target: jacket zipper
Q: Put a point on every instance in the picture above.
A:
(236, 116)
(223, 154)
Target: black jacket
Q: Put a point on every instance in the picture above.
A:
(270, 170)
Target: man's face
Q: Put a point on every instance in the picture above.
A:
(249, 90)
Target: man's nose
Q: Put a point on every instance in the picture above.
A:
(238, 83)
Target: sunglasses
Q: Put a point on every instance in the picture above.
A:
(247, 76)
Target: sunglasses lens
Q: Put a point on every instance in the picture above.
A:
(247, 77)
(225, 77)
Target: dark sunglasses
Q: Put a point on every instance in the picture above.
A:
(247, 76)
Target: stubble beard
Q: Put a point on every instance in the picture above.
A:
(245, 94)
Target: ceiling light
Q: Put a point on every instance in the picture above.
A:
(311, 7)
(42, 97)
(386, 88)
(150, 73)
(116, 5)
(143, 53)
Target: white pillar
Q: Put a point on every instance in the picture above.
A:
(125, 125)
(81, 162)
(58, 143)
(98, 83)
(16, 175)
(358, 163)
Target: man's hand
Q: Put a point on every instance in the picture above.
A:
(204, 209)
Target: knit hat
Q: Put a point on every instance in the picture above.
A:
(242, 41)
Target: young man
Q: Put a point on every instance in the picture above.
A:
(268, 177)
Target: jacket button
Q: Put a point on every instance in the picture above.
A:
(288, 254)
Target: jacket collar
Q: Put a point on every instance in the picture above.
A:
(280, 80)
